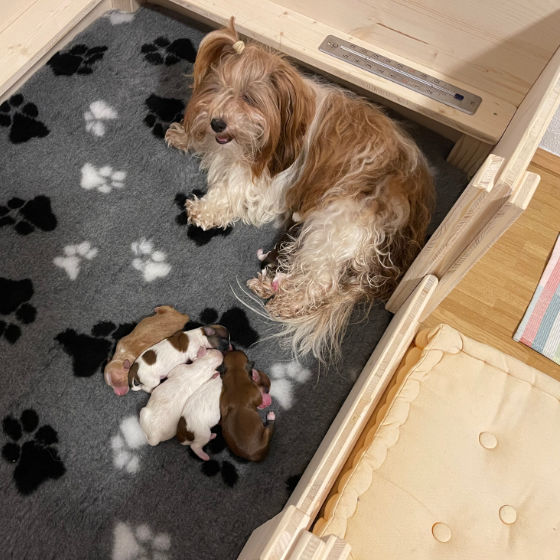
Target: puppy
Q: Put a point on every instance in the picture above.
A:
(242, 394)
(159, 417)
(155, 363)
(279, 145)
(147, 332)
(200, 413)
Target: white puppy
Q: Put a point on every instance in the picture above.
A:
(200, 413)
(160, 416)
(155, 363)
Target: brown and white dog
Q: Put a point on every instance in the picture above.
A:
(160, 416)
(150, 330)
(276, 144)
(154, 364)
(244, 390)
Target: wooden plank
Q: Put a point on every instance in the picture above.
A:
(337, 444)
(490, 301)
(490, 233)
(525, 131)
(469, 154)
(458, 39)
(299, 36)
(38, 29)
(454, 233)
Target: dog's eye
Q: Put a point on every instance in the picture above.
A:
(248, 99)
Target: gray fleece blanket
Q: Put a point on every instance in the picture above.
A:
(92, 237)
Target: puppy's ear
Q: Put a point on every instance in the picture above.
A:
(214, 45)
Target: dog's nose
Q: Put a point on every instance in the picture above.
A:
(218, 125)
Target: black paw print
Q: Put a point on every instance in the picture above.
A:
(35, 213)
(196, 234)
(22, 120)
(37, 459)
(227, 469)
(90, 352)
(234, 319)
(163, 111)
(14, 298)
(78, 60)
(163, 51)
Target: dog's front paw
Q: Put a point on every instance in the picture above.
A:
(200, 216)
(176, 136)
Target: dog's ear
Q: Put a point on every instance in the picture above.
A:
(214, 45)
(287, 123)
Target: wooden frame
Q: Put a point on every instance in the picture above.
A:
(514, 67)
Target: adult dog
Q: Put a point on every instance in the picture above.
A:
(277, 144)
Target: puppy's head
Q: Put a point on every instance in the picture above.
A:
(248, 100)
(218, 337)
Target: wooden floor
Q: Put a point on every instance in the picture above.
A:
(490, 302)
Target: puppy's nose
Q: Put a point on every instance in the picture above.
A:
(218, 125)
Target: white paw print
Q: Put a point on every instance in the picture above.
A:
(97, 117)
(116, 17)
(151, 263)
(104, 179)
(284, 377)
(139, 543)
(126, 443)
(73, 257)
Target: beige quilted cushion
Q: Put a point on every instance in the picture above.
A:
(464, 464)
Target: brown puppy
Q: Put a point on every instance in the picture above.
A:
(244, 390)
(147, 332)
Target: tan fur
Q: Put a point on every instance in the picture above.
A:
(242, 427)
(356, 185)
(149, 331)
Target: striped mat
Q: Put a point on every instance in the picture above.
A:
(540, 327)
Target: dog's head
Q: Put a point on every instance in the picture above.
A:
(249, 100)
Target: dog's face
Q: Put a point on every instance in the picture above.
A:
(248, 100)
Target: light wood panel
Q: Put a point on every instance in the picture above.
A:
(499, 47)
(489, 303)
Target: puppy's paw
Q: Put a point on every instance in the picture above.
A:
(176, 136)
(270, 417)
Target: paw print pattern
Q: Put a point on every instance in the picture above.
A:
(103, 179)
(14, 300)
(117, 17)
(234, 319)
(78, 60)
(126, 443)
(139, 543)
(196, 234)
(162, 112)
(163, 51)
(227, 469)
(36, 459)
(73, 257)
(89, 353)
(26, 216)
(97, 117)
(284, 378)
(21, 118)
(150, 262)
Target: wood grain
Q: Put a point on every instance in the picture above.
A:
(490, 301)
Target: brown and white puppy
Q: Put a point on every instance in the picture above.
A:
(243, 392)
(279, 145)
(159, 417)
(200, 413)
(146, 333)
(154, 364)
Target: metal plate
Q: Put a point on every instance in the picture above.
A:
(401, 74)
